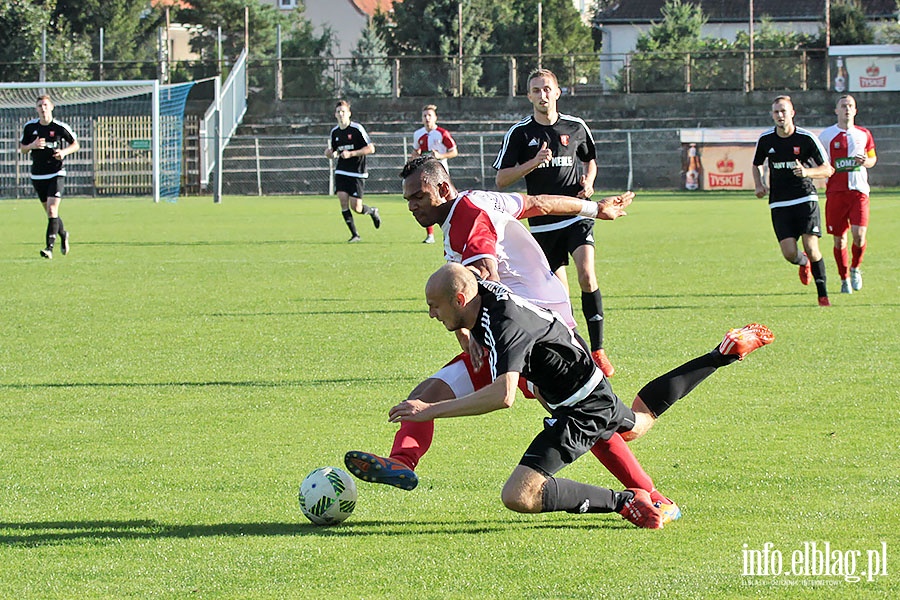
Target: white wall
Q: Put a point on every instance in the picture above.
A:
(342, 17)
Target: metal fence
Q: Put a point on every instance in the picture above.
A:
(626, 159)
(484, 75)
(296, 164)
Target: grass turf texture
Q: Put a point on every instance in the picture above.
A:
(168, 384)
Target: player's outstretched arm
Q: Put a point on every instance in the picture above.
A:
(501, 393)
(606, 209)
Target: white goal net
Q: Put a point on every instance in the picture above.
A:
(130, 132)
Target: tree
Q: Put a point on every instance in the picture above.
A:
(658, 62)
(22, 23)
(563, 35)
(369, 72)
(889, 33)
(430, 29)
(129, 33)
(209, 15)
(777, 63)
(849, 25)
(306, 56)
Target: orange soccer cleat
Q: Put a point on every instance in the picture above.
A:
(806, 271)
(640, 511)
(743, 341)
(602, 361)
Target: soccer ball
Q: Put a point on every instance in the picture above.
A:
(327, 496)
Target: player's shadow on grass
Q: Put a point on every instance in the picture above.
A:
(220, 383)
(52, 533)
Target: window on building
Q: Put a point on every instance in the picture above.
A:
(287, 3)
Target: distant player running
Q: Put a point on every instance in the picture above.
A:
(49, 141)
(350, 143)
(795, 157)
(851, 150)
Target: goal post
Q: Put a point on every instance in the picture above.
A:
(130, 132)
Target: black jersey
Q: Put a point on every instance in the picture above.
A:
(785, 188)
(571, 142)
(353, 137)
(58, 135)
(535, 342)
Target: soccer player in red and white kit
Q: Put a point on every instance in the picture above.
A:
(851, 151)
(481, 230)
(431, 138)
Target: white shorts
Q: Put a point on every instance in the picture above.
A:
(456, 375)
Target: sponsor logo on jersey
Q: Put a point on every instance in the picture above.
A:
(771, 151)
(848, 163)
(533, 142)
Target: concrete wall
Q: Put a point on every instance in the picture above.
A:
(608, 111)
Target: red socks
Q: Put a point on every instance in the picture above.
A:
(841, 258)
(857, 252)
(619, 460)
(412, 442)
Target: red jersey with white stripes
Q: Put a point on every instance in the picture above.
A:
(437, 139)
(485, 224)
(842, 146)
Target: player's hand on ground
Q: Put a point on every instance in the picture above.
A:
(408, 410)
(613, 207)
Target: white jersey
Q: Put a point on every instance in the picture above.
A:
(485, 224)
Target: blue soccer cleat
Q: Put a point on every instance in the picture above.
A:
(375, 469)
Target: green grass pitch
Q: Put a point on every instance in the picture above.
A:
(167, 385)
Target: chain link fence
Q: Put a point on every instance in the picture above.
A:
(626, 159)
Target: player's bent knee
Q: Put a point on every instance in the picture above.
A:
(519, 502)
(523, 490)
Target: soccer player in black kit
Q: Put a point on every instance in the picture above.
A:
(350, 143)
(795, 156)
(555, 154)
(524, 340)
(49, 141)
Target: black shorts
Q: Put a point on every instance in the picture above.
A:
(797, 220)
(573, 430)
(48, 188)
(351, 185)
(558, 244)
